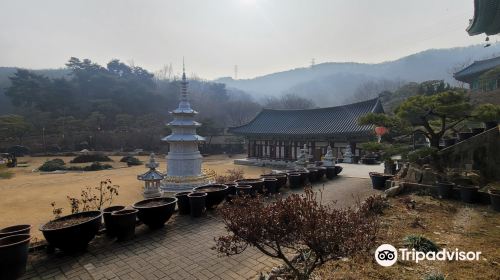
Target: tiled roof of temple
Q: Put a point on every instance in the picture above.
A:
(486, 18)
(476, 68)
(323, 121)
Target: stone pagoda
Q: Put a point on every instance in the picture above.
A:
(184, 159)
(303, 158)
(329, 159)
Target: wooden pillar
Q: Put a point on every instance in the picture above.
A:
(313, 150)
(264, 152)
(254, 148)
(353, 147)
(249, 152)
(332, 145)
(273, 151)
(280, 145)
(294, 150)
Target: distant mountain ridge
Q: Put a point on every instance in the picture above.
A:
(333, 83)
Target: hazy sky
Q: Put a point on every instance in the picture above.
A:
(260, 36)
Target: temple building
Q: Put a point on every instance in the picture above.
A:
(280, 134)
(184, 159)
(482, 75)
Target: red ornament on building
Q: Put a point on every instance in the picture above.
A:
(381, 130)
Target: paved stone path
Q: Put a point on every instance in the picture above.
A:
(181, 250)
(360, 170)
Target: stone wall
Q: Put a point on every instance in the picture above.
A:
(482, 151)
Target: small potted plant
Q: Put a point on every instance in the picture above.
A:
(468, 194)
(464, 135)
(445, 189)
(183, 202)
(304, 176)
(270, 185)
(13, 230)
(256, 183)
(338, 169)
(331, 172)
(487, 113)
(379, 179)
(231, 191)
(313, 175)
(124, 222)
(72, 232)
(281, 179)
(476, 129)
(197, 203)
(108, 221)
(295, 180)
(449, 141)
(321, 172)
(215, 194)
(244, 190)
(155, 212)
(495, 199)
(13, 255)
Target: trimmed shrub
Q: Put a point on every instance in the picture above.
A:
(131, 161)
(96, 166)
(91, 158)
(52, 165)
(18, 150)
(126, 158)
(58, 161)
(487, 112)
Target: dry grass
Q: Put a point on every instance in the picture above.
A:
(450, 224)
(26, 197)
(5, 173)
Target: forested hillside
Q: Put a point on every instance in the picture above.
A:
(108, 107)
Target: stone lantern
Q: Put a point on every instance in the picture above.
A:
(152, 178)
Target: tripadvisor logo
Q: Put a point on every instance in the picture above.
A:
(387, 255)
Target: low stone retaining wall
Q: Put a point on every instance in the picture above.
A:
(410, 187)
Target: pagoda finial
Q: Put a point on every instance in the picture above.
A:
(152, 164)
(183, 67)
(184, 83)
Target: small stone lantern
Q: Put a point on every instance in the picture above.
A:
(152, 178)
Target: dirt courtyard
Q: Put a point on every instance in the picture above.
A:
(25, 198)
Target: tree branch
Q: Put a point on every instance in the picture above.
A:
(455, 123)
(282, 256)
